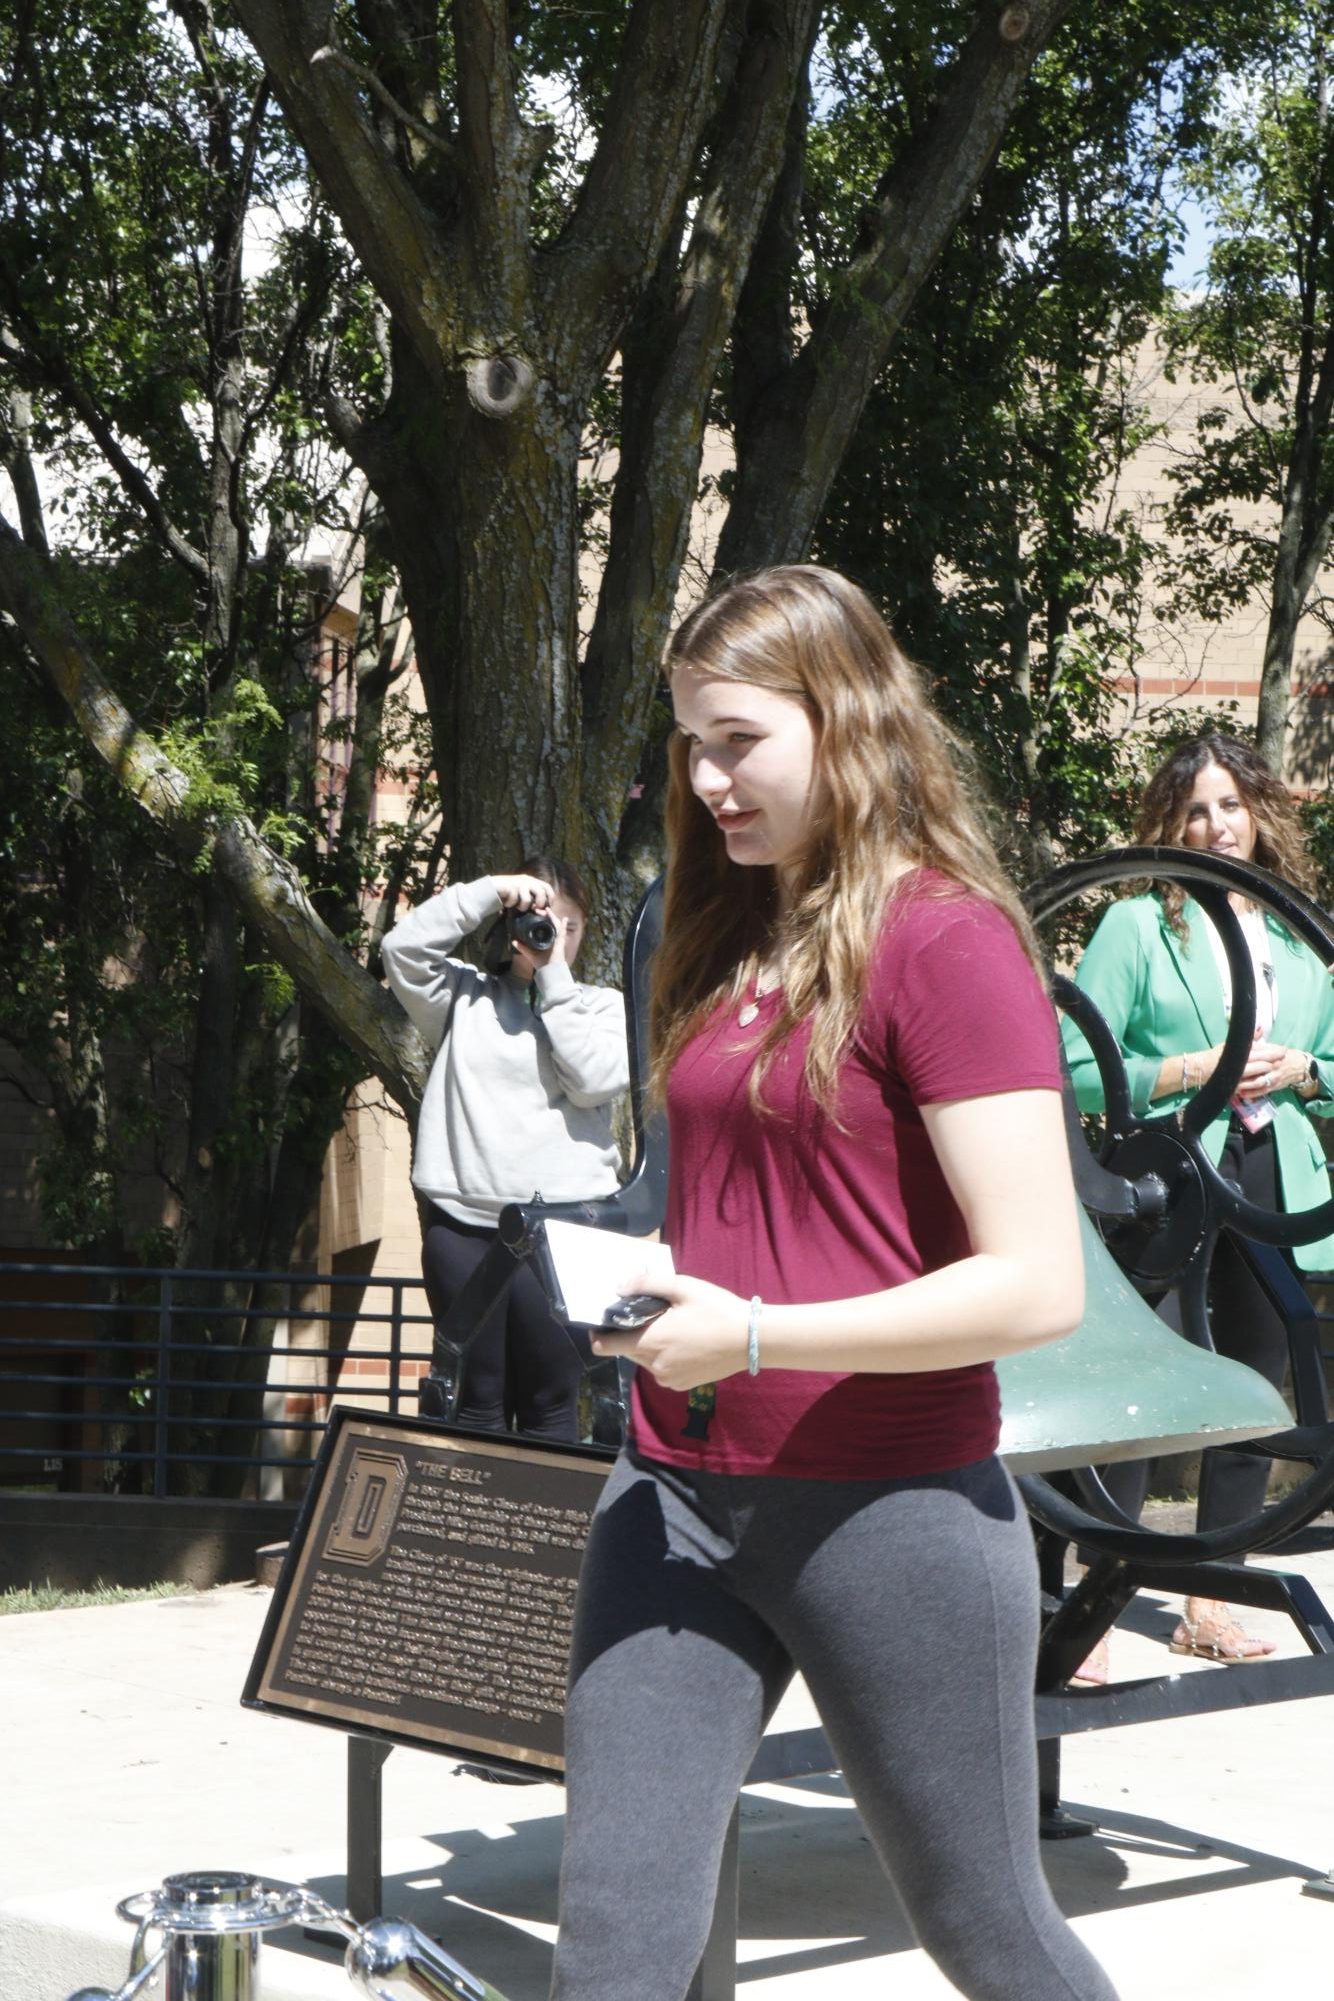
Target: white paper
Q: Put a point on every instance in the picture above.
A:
(594, 1268)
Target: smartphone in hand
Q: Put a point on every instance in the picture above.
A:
(629, 1315)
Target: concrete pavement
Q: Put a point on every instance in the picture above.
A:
(128, 1757)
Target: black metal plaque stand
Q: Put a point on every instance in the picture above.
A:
(365, 1826)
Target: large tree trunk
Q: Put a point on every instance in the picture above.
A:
(498, 347)
(481, 513)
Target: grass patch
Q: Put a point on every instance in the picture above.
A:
(51, 1598)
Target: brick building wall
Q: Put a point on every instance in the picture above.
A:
(1201, 664)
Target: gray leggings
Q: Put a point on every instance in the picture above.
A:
(910, 1606)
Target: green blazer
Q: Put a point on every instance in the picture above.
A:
(1161, 999)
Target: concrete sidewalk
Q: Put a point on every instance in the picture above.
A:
(128, 1757)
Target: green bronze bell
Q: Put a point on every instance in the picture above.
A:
(1124, 1385)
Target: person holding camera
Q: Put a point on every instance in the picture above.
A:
(518, 1102)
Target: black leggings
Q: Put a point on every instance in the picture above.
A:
(524, 1367)
(911, 1607)
(1246, 1328)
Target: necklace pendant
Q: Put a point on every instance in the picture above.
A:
(748, 1014)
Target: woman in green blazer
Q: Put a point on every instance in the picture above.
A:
(1156, 971)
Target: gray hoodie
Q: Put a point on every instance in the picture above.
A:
(519, 1097)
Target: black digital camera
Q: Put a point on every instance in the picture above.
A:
(533, 928)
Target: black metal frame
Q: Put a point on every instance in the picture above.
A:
(141, 1321)
(1163, 1204)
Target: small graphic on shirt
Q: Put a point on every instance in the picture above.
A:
(700, 1407)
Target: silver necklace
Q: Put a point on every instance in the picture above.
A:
(766, 979)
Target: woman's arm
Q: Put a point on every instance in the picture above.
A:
(1317, 1096)
(1008, 1170)
(586, 1029)
(416, 952)
(1114, 973)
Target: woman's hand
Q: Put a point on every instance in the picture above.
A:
(700, 1339)
(522, 892)
(529, 892)
(1269, 1068)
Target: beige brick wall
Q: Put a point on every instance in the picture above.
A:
(1197, 664)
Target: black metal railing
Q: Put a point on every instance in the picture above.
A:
(162, 1381)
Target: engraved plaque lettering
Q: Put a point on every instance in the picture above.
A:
(429, 1590)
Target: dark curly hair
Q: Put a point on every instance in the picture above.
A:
(1280, 844)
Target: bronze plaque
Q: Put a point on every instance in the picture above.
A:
(428, 1592)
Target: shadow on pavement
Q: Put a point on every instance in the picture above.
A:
(808, 1874)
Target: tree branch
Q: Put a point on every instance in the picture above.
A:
(801, 425)
(84, 406)
(662, 97)
(331, 53)
(405, 36)
(670, 359)
(401, 245)
(497, 152)
(763, 336)
(296, 339)
(16, 455)
(268, 892)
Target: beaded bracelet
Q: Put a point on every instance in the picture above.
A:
(753, 1336)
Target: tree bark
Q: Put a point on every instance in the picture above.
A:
(1303, 539)
(496, 350)
(1302, 546)
(498, 342)
(672, 354)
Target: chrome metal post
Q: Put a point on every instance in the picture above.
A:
(215, 1963)
(211, 1923)
(389, 1961)
(208, 1926)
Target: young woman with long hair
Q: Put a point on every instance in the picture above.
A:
(1156, 968)
(869, 1201)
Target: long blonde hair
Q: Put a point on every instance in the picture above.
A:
(892, 793)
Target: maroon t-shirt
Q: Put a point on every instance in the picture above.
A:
(793, 1207)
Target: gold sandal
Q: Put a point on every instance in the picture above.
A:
(1212, 1638)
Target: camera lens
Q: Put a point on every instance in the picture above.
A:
(533, 928)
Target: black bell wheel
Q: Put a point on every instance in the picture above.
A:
(1161, 1203)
